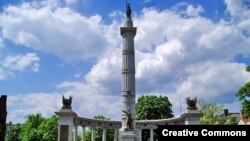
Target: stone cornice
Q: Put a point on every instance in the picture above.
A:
(140, 124)
(129, 30)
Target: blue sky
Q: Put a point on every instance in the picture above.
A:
(50, 48)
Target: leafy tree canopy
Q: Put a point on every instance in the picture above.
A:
(153, 107)
(244, 96)
(13, 132)
(38, 128)
(211, 114)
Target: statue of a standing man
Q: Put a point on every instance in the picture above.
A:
(128, 10)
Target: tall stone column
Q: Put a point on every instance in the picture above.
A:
(3, 114)
(128, 32)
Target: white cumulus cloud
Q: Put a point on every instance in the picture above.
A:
(59, 31)
(176, 56)
(12, 63)
(19, 106)
(194, 11)
(1, 42)
(240, 12)
(19, 62)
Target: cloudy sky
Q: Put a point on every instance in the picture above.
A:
(50, 48)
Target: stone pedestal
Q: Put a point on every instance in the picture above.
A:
(127, 135)
(192, 117)
(66, 124)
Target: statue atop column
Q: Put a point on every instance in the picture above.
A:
(129, 120)
(191, 103)
(66, 102)
(128, 10)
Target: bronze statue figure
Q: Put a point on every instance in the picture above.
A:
(128, 10)
(66, 102)
(3, 114)
(129, 120)
(191, 103)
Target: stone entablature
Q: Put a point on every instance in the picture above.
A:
(86, 122)
(153, 124)
(140, 124)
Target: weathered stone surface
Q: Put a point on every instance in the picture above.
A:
(128, 32)
(66, 118)
(64, 132)
(127, 136)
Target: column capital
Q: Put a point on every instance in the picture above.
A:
(131, 30)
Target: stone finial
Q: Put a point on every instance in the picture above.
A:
(191, 103)
(66, 102)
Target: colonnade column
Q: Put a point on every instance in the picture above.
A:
(76, 134)
(104, 131)
(116, 135)
(93, 134)
(139, 135)
(83, 134)
(151, 134)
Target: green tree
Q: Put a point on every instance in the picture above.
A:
(13, 132)
(248, 69)
(48, 129)
(98, 131)
(152, 107)
(230, 121)
(30, 128)
(244, 96)
(210, 112)
(38, 128)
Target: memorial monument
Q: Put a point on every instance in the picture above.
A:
(128, 129)
(128, 32)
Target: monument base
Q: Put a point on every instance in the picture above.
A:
(126, 135)
(192, 117)
(66, 124)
